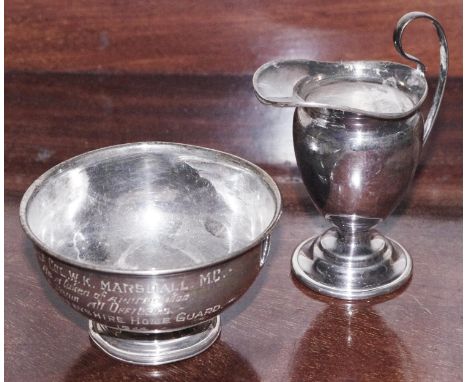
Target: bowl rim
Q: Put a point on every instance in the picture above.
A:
(36, 185)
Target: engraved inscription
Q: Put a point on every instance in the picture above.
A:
(126, 288)
(213, 276)
(127, 303)
(183, 316)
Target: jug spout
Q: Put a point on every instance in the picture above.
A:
(376, 89)
(274, 81)
(373, 88)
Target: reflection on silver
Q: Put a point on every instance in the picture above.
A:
(152, 349)
(149, 207)
(358, 134)
(151, 241)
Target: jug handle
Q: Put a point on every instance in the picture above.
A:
(397, 34)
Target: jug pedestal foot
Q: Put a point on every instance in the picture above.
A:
(352, 269)
(154, 348)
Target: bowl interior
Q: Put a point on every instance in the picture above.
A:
(149, 207)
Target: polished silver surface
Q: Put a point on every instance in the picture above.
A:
(155, 348)
(292, 83)
(151, 241)
(358, 135)
(443, 66)
(149, 208)
(378, 265)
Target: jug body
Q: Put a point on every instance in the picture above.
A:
(356, 168)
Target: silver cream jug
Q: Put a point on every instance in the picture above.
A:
(358, 134)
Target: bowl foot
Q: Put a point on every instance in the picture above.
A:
(155, 348)
(360, 270)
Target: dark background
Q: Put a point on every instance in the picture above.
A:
(214, 37)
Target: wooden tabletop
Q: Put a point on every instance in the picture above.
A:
(206, 37)
(279, 330)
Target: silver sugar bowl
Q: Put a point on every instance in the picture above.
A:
(151, 242)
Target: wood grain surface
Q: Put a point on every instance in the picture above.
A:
(221, 37)
(279, 330)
